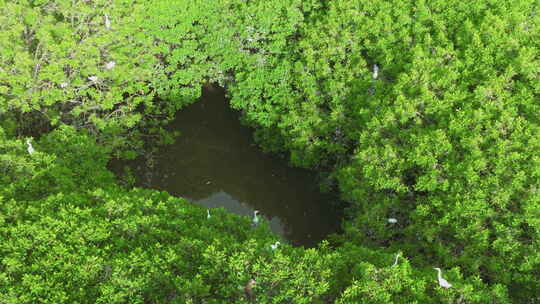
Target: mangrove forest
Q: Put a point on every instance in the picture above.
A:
(269, 151)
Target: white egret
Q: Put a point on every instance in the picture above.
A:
(208, 214)
(275, 245)
(255, 218)
(109, 65)
(442, 282)
(392, 220)
(107, 22)
(30, 148)
(375, 71)
(93, 78)
(63, 85)
(396, 260)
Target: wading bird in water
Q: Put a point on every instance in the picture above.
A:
(442, 282)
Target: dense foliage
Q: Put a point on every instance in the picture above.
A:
(108, 67)
(421, 111)
(69, 234)
(444, 137)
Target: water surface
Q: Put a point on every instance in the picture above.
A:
(215, 163)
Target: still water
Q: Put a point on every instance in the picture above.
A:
(215, 163)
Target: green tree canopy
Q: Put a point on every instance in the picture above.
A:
(422, 111)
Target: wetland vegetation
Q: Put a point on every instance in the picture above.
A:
(410, 128)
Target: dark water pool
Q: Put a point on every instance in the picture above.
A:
(215, 163)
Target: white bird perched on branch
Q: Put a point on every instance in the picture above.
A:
(30, 148)
(93, 78)
(396, 259)
(442, 282)
(107, 22)
(255, 218)
(375, 71)
(392, 220)
(275, 245)
(109, 65)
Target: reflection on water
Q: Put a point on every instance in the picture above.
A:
(215, 164)
(222, 199)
